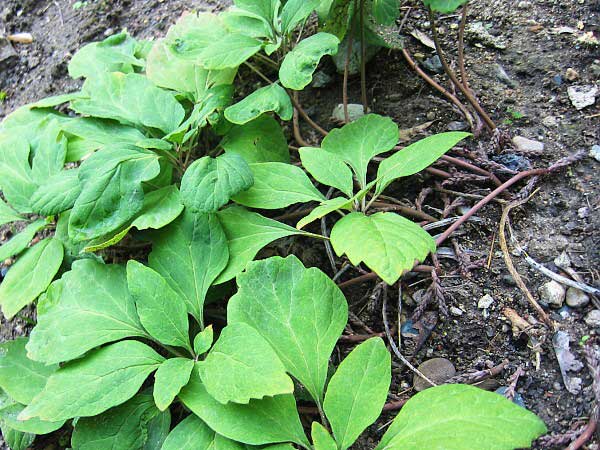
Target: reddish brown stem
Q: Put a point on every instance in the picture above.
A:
(296, 127)
(438, 172)
(345, 80)
(472, 168)
(461, 47)
(363, 58)
(354, 338)
(406, 211)
(305, 116)
(585, 436)
(373, 275)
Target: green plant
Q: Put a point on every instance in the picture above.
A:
(149, 161)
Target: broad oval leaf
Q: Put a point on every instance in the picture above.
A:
(461, 417)
(20, 241)
(189, 434)
(299, 311)
(327, 168)
(89, 306)
(242, 366)
(161, 310)
(7, 214)
(298, 65)
(56, 194)
(385, 12)
(106, 377)
(266, 99)
(322, 440)
(444, 6)
(171, 376)
(277, 185)
(30, 275)
(295, 12)
(203, 340)
(49, 154)
(10, 410)
(190, 253)
(209, 183)
(357, 391)
(247, 232)
(16, 179)
(229, 51)
(266, 421)
(387, 243)
(416, 157)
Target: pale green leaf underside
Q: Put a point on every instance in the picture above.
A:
(387, 243)
(171, 376)
(266, 99)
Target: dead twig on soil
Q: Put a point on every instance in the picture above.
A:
(477, 376)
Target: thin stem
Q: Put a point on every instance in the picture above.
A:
(258, 72)
(305, 116)
(472, 168)
(363, 58)
(346, 70)
(296, 126)
(461, 47)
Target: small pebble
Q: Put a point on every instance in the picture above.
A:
(517, 399)
(485, 301)
(595, 152)
(576, 298)
(513, 161)
(433, 64)
(552, 294)
(571, 74)
(457, 126)
(557, 80)
(437, 370)
(582, 96)
(550, 121)
(456, 312)
(525, 145)
(593, 318)
(583, 212)
(562, 261)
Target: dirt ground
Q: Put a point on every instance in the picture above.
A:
(523, 86)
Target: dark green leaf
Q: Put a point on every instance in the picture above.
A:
(385, 12)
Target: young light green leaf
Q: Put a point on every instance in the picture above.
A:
(203, 340)
(299, 311)
(266, 99)
(326, 207)
(16, 440)
(170, 377)
(13, 364)
(261, 140)
(242, 366)
(321, 438)
(387, 243)
(247, 232)
(161, 310)
(327, 168)
(266, 421)
(461, 416)
(298, 65)
(358, 142)
(240, 21)
(268, 10)
(229, 51)
(190, 253)
(385, 12)
(7, 214)
(20, 241)
(112, 192)
(106, 377)
(130, 99)
(124, 427)
(277, 185)
(57, 193)
(74, 318)
(193, 33)
(16, 180)
(10, 410)
(357, 391)
(209, 183)
(416, 157)
(295, 12)
(30, 276)
(444, 6)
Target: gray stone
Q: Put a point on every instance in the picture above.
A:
(485, 302)
(583, 212)
(582, 96)
(457, 126)
(476, 31)
(525, 145)
(437, 370)
(552, 294)
(321, 79)
(8, 55)
(563, 261)
(577, 298)
(595, 152)
(550, 121)
(593, 318)
(456, 312)
(433, 64)
(502, 76)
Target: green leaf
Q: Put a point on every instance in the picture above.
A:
(190, 434)
(298, 65)
(131, 99)
(260, 140)
(20, 241)
(14, 364)
(270, 420)
(30, 276)
(461, 417)
(266, 9)
(326, 207)
(161, 310)
(7, 214)
(203, 340)
(242, 366)
(56, 194)
(89, 306)
(277, 185)
(416, 157)
(387, 243)
(158, 430)
(160, 208)
(357, 391)
(295, 12)
(386, 12)
(299, 311)
(16, 440)
(247, 232)
(190, 253)
(114, 54)
(266, 99)
(124, 427)
(193, 33)
(327, 168)
(240, 21)
(209, 183)
(358, 142)
(106, 377)
(50, 154)
(338, 18)
(444, 6)
(10, 410)
(171, 376)
(16, 180)
(322, 440)
(112, 191)
(229, 51)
